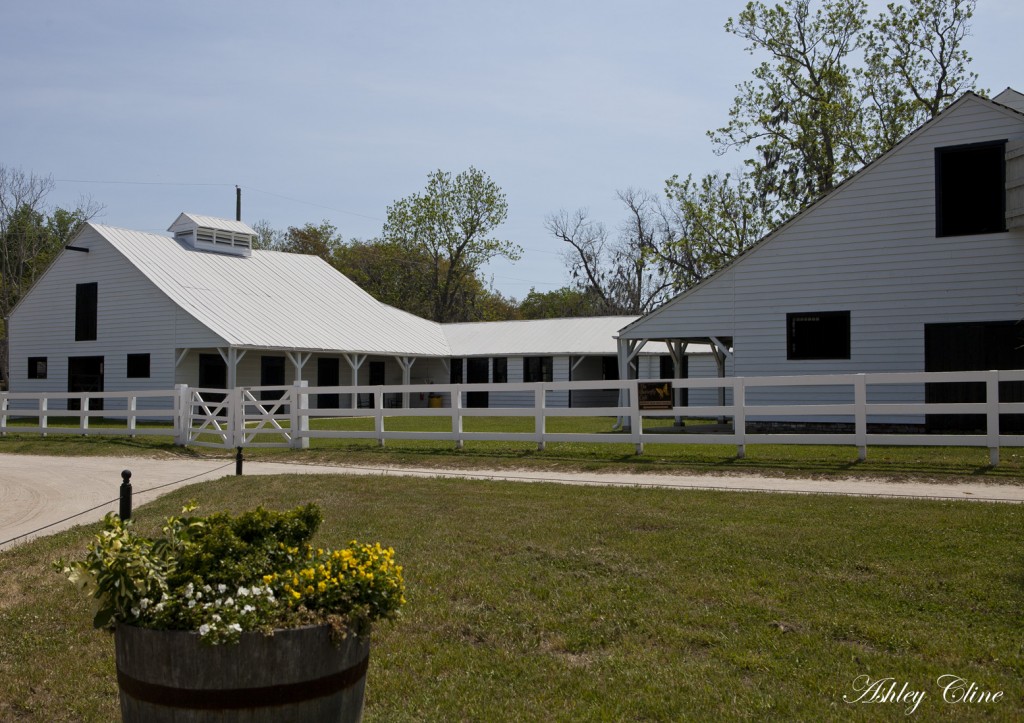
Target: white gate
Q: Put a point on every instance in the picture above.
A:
(261, 412)
(211, 418)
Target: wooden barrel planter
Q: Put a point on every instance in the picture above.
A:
(293, 675)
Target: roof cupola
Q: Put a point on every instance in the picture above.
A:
(219, 235)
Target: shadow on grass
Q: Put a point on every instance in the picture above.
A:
(778, 460)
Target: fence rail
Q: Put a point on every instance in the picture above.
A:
(282, 417)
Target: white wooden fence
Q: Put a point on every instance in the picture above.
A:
(281, 416)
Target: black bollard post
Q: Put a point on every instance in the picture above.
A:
(126, 495)
(238, 462)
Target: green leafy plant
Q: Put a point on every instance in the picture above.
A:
(221, 575)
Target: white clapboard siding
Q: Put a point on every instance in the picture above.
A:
(132, 318)
(868, 248)
(1015, 185)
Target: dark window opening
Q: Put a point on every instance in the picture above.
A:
(668, 371)
(213, 374)
(328, 374)
(818, 335)
(455, 375)
(272, 372)
(476, 370)
(37, 367)
(476, 373)
(537, 369)
(970, 189)
(973, 346)
(138, 366)
(499, 370)
(85, 374)
(610, 368)
(376, 373)
(86, 296)
(377, 378)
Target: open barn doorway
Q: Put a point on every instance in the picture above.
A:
(85, 374)
(973, 346)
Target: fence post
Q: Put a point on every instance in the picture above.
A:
(299, 421)
(992, 415)
(4, 402)
(860, 416)
(378, 414)
(44, 403)
(636, 422)
(457, 416)
(125, 511)
(540, 427)
(182, 414)
(133, 405)
(234, 432)
(739, 416)
(83, 414)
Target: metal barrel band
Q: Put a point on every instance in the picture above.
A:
(240, 698)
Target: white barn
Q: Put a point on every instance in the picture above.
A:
(123, 310)
(916, 263)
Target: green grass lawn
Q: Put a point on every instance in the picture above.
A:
(547, 602)
(920, 463)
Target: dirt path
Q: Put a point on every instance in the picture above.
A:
(40, 494)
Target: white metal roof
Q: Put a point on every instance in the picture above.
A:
(586, 335)
(189, 220)
(282, 300)
(276, 300)
(1011, 99)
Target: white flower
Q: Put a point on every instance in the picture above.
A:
(191, 603)
(216, 618)
(135, 612)
(144, 603)
(248, 609)
(229, 602)
(243, 592)
(204, 629)
(236, 627)
(222, 588)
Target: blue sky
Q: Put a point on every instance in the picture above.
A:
(334, 110)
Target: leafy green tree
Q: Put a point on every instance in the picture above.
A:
(389, 272)
(834, 90)
(709, 223)
(837, 89)
(321, 240)
(561, 303)
(915, 65)
(267, 238)
(492, 305)
(451, 224)
(801, 110)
